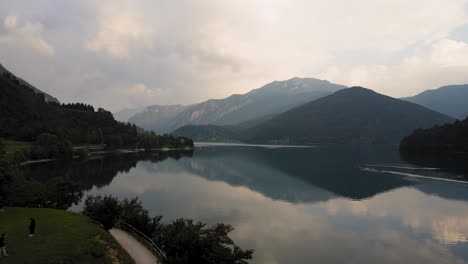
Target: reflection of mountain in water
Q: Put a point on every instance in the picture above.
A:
(292, 174)
(299, 175)
(245, 170)
(97, 172)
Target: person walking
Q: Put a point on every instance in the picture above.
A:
(3, 246)
(32, 227)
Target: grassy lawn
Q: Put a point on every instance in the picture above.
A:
(61, 237)
(12, 146)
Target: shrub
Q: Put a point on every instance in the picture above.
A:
(103, 209)
(134, 214)
(186, 241)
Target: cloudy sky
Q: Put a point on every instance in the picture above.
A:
(126, 53)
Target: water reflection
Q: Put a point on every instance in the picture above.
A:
(304, 205)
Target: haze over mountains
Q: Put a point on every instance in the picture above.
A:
(261, 103)
(450, 100)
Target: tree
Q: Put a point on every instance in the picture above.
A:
(103, 209)
(186, 241)
(62, 193)
(134, 214)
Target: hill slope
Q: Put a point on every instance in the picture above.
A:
(24, 115)
(447, 138)
(269, 100)
(48, 98)
(350, 115)
(450, 100)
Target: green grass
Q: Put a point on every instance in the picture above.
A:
(12, 146)
(61, 237)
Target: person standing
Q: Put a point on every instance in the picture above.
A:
(32, 227)
(3, 246)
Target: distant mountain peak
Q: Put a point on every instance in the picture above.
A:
(270, 99)
(449, 100)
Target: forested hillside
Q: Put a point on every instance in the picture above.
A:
(451, 138)
(349, 115)
(24, 115)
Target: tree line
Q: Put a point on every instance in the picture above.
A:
(448, 138)
(25, 115)
(182, 240)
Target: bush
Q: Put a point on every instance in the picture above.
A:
(103, 209)
(183, 240)
(48, 146)
(134, 214)
(186, 241)
(62, 193)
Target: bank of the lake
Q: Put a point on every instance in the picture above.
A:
(61, 237)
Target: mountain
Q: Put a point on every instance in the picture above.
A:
(349, 115)
(47, 97)
(125, 114)
(24, 115)
(159, 118)
(267, 101)
(450, 100)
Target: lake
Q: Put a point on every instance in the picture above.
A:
(322, 204)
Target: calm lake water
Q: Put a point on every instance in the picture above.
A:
(296, 205)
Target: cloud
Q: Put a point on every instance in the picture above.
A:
(442, 63)
(197, 50)
(119, 30)
(25, 35)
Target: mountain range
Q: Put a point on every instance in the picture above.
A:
(47, 97)
(450, 100)
(258, 104)
(348, 115)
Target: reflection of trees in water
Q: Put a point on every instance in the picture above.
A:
(61, 184)
(454, 163)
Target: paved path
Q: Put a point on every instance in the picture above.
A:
(135, 249)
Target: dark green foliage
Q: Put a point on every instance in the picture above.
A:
(186, 241)
(62, 193)
(8, 170)
(48, 146)
(350, 115)
(449, 138)
(183, 240)
(24, 115)
(150, 140)
(134, 214)
(103, 209)
(79, 106)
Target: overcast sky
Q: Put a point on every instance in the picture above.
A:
(127, 53)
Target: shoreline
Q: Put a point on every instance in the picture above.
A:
(104, 152)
